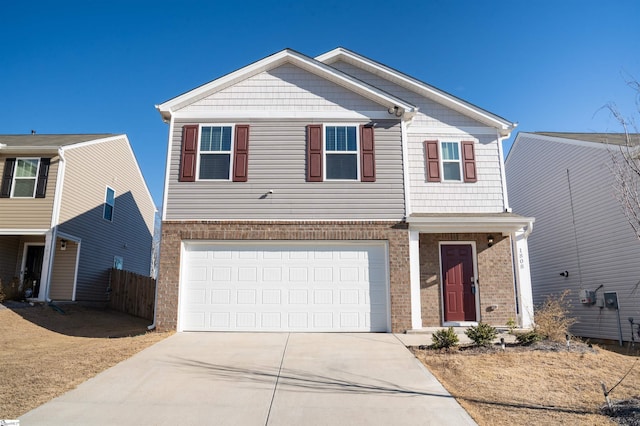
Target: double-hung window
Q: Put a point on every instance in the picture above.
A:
(215, 153)
(25, 177)
(448, 161)
(451, 164)
(341, 152)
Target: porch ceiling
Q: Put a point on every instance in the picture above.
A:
(504, 223)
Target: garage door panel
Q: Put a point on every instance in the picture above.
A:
(275, 287)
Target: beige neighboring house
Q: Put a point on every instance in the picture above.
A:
(71, 208)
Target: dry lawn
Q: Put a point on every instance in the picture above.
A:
(534, 387)
(44, 353)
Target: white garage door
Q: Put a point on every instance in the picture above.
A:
(284, 286)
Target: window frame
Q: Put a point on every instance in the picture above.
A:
(118, 261)
(325, 152)
(15, 176)
(460, 161)
(230, 152)
(106, 203)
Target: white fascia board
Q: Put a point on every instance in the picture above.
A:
(270, 114)
(23, 231)
(66, 236)
(459, 224)
(452, 131)
(424, 89)
(168, 108)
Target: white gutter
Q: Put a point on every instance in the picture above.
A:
(503, 173)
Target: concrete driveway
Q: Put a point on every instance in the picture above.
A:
(260, 379)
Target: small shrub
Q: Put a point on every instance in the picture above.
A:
(511, 325)
(552, 320)
(2, 295)
(529, 337)
(444, 339)
(482, 334)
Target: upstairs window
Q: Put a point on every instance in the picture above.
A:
(24, 180)
(109, 204)
(341, 152)
(25, 177)
(206, 153)
(450, 161)
(451, 170)
(215, 153)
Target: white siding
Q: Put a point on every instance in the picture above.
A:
(599, 248)
(430, 114)
(285, 88)
(483, 196)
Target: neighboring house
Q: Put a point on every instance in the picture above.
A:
(329, 194)
(71, 208)
(583, 240)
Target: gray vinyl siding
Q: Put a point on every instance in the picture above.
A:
(277, 161)
(63, 273)
(599, 248)
(89, 170)
(29, 213)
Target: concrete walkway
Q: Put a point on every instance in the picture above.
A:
(260, 379)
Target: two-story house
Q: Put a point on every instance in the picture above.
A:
(72, 207)
(335, 194)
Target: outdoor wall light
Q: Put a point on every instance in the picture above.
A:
(63, 244)
(490, 240)
(395, 110)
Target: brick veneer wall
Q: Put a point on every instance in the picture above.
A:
(495, 278)
(174, 232)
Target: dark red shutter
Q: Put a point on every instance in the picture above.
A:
(433, 161)
(43, 177)
(188, 153)
(367, 154)
(469, 161)
(314, 153)
(241, 153)
(7, 177)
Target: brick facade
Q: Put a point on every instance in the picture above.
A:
(174, 232)
(495, 278)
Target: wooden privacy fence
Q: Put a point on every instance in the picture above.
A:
(132, 293)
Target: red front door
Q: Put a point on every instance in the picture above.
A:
(458, 282)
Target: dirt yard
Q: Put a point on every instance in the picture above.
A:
(44, 353)
(536, 387)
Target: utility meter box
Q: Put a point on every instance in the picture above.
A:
(611, 300)
(587, 297)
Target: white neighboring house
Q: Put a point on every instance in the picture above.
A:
(583, 241)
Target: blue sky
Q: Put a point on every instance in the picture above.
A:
(100, 67)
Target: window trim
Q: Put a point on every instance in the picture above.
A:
(35, 178)
(104, 206)
(459, 161)
(230, 152)
(356, 152)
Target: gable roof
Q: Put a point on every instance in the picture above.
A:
(45, 143)
(605, 138)
(415, 85)
(168, 108)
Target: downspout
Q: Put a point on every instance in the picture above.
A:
(55, 218)
(503, 175)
